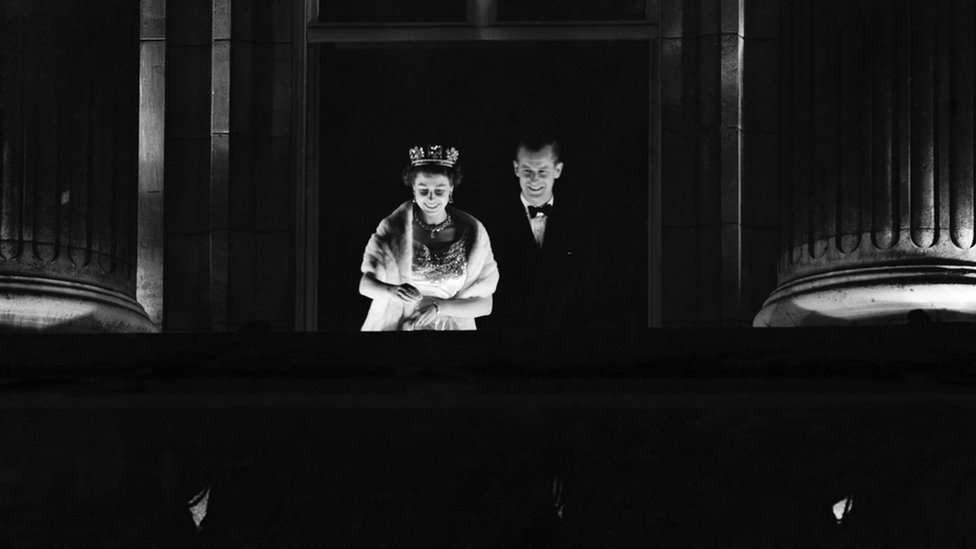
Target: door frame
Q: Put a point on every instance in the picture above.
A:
(481, 25)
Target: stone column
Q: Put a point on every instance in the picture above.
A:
(877, 177)
(69, 72)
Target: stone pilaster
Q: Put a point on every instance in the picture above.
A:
(719, 124)
(230, 223)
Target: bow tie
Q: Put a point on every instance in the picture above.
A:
(536, 210)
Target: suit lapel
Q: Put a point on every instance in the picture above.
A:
(553, 232)
(562, 228)
(523, 231)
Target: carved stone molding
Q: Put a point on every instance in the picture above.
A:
(29, 303)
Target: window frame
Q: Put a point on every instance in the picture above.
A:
(482, 25)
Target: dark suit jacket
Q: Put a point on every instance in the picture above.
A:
(541, 289)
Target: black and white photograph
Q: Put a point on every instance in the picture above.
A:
(487, 273)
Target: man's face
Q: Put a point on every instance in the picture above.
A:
(537, 172)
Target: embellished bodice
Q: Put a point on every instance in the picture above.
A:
(439, 272)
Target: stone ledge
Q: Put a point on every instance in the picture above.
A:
(793, 360)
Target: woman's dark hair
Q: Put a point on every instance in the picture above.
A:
(453, 174)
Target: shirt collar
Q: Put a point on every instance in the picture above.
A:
(525, 203)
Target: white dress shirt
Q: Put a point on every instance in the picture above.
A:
(538, 223)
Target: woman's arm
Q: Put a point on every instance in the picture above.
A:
(374, 289)
(471, 307)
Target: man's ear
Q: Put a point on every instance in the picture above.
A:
(515, 167)
(557, 170)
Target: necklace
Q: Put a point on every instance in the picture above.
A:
(432, 229)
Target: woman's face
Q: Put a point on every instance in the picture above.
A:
(432, 192)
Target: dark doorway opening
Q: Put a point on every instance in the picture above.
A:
(376, 101)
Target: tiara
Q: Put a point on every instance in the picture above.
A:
(434, 154)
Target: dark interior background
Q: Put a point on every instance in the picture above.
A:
(379, 100)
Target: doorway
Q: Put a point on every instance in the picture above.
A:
(378, 100)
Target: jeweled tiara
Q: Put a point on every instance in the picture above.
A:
(434, 154)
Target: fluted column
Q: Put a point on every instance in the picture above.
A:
(878, 163)
(70, 89)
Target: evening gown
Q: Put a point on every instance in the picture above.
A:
(438, 272)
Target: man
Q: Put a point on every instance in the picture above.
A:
(541, 248)
(541, 253)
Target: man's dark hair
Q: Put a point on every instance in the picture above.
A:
(538, 142)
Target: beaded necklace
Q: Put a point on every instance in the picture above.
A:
(431, 229)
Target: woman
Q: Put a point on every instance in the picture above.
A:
(428, 266)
